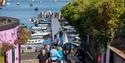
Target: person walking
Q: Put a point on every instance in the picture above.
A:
(56, 40)
(80, 54)
(47, 48)
(61, 37)
(54, 55)
(60, 52)
(43, 58)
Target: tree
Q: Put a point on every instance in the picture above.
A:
(23, 35)
(100, 19)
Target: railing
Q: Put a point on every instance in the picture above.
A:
(30, 61)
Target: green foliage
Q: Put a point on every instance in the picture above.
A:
(2, 50)
(4, 46)
(90, 15)
(1, 59)
(101, 19)
(1, 54)
(24, 35)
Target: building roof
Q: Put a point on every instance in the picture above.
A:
(8, 23)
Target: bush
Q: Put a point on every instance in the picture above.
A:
(1, 59)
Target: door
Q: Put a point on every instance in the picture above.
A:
(13, 55)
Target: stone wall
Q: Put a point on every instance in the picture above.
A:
(30, 61)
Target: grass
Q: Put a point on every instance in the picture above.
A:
(1, 59)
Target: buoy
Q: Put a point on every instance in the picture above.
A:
(31, 5)
(36, 9)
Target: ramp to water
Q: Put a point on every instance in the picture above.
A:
(55, 26)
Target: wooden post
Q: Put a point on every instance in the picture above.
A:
(88, 39)
(108, 55)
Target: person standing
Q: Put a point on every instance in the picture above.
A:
(47, 48)
(54, 55)
(43, 58)
(80, 54)
(56, 40)
(61, 37)
(60, 52)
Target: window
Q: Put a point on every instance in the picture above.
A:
(12, 34)
(5, 36)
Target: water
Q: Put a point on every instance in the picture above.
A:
(24, 11)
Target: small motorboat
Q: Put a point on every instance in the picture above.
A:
(17, 3)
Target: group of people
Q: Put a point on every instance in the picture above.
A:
(52, 54)
(56, 52)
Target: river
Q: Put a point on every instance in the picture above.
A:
(24, 11)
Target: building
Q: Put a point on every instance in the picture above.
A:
(9, 33)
